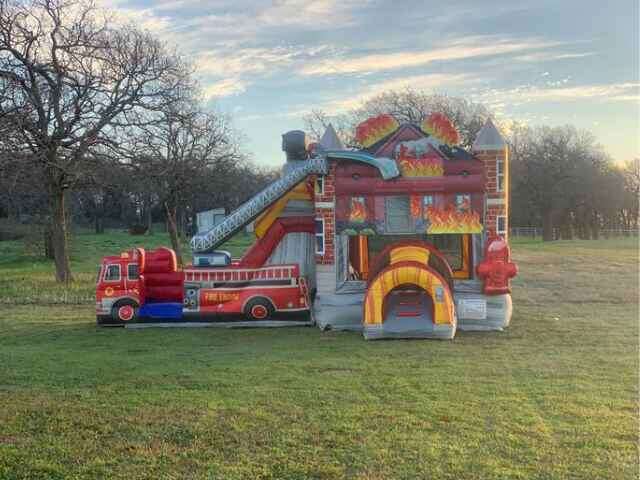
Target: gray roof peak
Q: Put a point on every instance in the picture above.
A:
(330, 140)
(489, 138)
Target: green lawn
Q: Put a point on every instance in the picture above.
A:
(555, 396)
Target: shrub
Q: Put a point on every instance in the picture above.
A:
(137, 229)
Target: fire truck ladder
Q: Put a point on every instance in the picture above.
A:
(249, 210)
(208, 241)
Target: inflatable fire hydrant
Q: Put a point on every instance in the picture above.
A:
(497, 270)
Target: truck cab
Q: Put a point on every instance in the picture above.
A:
(117, 289)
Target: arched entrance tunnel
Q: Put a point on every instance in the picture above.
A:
(407, 308)
(408, 297)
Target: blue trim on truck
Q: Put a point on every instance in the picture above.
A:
(165, 310)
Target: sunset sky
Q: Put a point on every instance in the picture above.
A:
(543, 62)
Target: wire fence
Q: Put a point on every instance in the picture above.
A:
(536, 232)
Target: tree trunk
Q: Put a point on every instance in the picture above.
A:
(173, 232)
(586, 230)
(148, 216)
(48, 242)
(580, 227)
(595, 226)
(547, 226)
(179, 223)
(566, 232)
(99, 223)
(98, 214)
(59, 233)
(627, 223)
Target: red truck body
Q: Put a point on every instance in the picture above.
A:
(141, 286)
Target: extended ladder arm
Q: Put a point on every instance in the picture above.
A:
(249, 210)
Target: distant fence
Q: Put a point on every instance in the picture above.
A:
(536, 232)
(530, 232)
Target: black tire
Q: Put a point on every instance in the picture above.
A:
(259, 309)
(124, 311)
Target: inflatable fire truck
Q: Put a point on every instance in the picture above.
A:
(402, 237)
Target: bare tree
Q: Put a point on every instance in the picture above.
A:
(317, 121)
(406, 105)
(179, 152)
(71, 78)
(410, 105)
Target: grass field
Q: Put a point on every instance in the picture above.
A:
(553, 397)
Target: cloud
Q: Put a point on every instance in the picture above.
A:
(348, 102)
(616, 92)
(463, 48)
(239, 23)
(224, 88)
(253, 61)
(316, 14)
(427, 82)
(146, 19)
(297, 111)
(550, 56)
(233, 70)
(501, 99)
(172, 5)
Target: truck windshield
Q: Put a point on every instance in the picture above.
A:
(112, 274)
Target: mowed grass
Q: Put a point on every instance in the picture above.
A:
(555, 396)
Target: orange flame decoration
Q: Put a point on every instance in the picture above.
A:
(358, 213)
(418, 166)
(452, 220)
(416, 206)
(375, 128)
(441, 127)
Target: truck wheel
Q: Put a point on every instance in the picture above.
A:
(125, 311)
(258, 309)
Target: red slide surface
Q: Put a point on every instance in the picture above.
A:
(264, 247)
(160, 279)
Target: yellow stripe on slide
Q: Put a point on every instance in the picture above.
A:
(265, 220)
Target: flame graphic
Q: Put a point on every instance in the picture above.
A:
(416, 206)
(412, 165)
(452, 220)
(441, 127)
(375, 128)
(358, 213)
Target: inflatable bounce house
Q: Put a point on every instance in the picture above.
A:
(402, 237)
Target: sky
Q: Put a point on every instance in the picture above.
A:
(543, 62)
